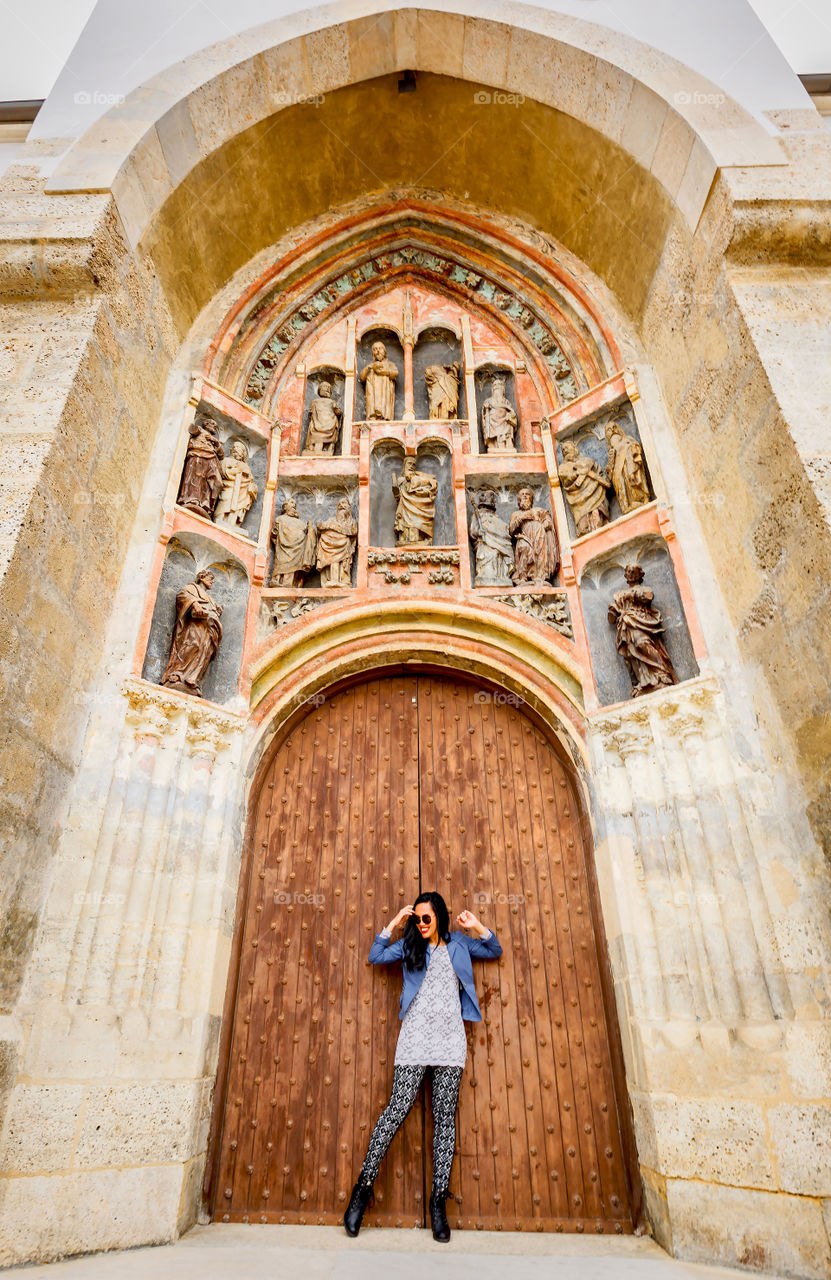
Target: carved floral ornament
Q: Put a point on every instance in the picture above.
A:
(154, 712)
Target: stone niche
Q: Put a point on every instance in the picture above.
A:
(435, 345)
(316, 499)
(599, 581)
(186, 554)
(506, 488)
(395, 353)
(590, 437)
(483, 382)
(334, 376)
(256, 445)
(387, 460)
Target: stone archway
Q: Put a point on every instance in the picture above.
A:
(392, 784)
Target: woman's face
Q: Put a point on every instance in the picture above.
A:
(425, 918)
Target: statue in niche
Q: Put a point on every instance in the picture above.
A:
(202, 479)
(324, 423)
(586, 486)
(239, 488)
(626, 468)
(336, 539)
(379, 380)
(196, 636)
(638, 625)
(416, 513)
(489, 534)
(536, 554)
(443, 389)
(294, 547)
(499, 421)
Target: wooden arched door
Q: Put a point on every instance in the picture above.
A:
(403, 783)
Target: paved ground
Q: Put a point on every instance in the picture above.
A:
(236, 1252)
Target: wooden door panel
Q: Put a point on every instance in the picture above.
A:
(335, 851)
(388, 787)
(539, 1146)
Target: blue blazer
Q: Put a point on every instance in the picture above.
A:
(462, 949)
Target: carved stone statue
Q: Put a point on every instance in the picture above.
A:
(379, 379)
(336, 539)
(626, 468)
(536, 554)
(416, 512)
(294, 547)
(638, 625)
(586, 487)
(324, 422)
(443, 389)
(489, 534)
(196, 636)
(498, 420)
(201, 478)
(239, 488)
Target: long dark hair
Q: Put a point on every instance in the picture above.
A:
(415, 944)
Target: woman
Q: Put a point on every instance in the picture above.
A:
(438, 994)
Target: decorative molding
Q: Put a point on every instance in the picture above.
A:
(551, 609)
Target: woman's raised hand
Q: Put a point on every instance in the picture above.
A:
(469, 921)
(402, 915)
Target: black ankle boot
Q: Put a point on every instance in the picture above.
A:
(363, 1194)
(438, 1218)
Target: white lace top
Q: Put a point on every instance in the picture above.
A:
(433, 1031)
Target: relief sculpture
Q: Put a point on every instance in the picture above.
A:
(336, 541)
(294, 547)
(239, 488)
(379, 379)
(324, 423)
(586, 487)
(443, 390)
(196, 636)
(499, 420)
(202, 478)
(638, 627)
(489, 534)
(416, 512)
(536, 552)
(626, 468)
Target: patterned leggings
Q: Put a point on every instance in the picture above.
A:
(406, 1081)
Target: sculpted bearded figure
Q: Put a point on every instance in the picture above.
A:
(201, 478)
(536, 553)
(196, 636)
(324, 422)
(379, 380)
(499, 420)
(638, 627)
(489, 534)
(586, 487)
(416, 513)
(294, 547)
(239, 488)
(336, 538)
(443, 389)
(626, 468)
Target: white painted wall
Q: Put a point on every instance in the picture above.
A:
(123, 45)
